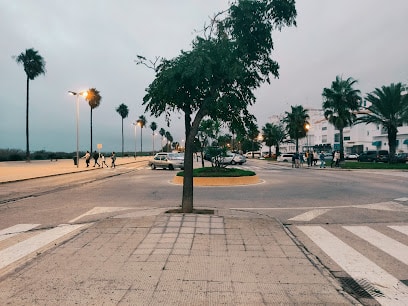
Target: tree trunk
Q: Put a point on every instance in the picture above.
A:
(341, 145)
(91, 132)
(141, 140)
(123, 143)
(27, 134)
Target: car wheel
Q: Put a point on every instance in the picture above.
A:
(153, 166)
(171, 167)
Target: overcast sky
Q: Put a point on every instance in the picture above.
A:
(91, 43)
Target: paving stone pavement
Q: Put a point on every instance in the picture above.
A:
(174, 259)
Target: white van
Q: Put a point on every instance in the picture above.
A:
(285, 157)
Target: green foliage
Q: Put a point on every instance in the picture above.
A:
(219, 172)
(371, 165)
(296, 122)
(273, 135)
(122, 110)
(389, 107)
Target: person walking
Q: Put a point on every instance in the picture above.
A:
(315, 158)
(337, 157)
(103, 161)
(87, 157)
(96, 157)
(113, 158)
(302, 159)
(322, 161)
(333, 161)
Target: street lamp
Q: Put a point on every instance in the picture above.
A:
(135, 124)
(77, 94)
(309, 159)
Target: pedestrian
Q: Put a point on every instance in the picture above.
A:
(113, 158)
(87, 157)
(309, 158)
(302, 159)
(333, 161)
(322, 160)
(96, 157)
(337, 157)
(315, 158)
(297, 160)
(103, 161)
(293, 161)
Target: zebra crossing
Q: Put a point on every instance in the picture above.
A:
(380, 284)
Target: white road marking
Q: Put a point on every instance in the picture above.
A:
(23, 248)
(309, 215)
(400, 228)
(389, 206)
(99, 210)
(359, 267)
(401, 199)
(16, 229)
(381, 241)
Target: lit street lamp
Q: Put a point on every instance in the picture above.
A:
(77, 94)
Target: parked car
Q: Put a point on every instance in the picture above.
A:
(167, 161)
(401, 158)
(285, 157)
(352, 156)
(252, 154)
(374, 156)
(231, 159)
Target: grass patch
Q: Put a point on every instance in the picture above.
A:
(372, 165)
(219, 172)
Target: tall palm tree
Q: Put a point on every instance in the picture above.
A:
(123, 111)
(94, 100)
(389, 108)
(162, 133)
(141, 122)
(295, 122)
(340, 102)
(34, 65)
(273, 135)
(153, 127)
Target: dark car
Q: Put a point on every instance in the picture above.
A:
(374, 156)
(401, 158)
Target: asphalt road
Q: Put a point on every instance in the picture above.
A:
(322, 209)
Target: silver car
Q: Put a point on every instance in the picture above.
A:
(166, 161)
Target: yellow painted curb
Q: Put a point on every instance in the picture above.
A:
(220, 181)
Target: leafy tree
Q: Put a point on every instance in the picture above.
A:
(123, 111)
(169, 138)
(206, 131)
(296, 121)
(34, 65)
(273, 135)
(141, 122)
(218, 76)
(389, 108)
(340, 102)
(252, 135)
(162, 133)
(153, 127)
(94, 100)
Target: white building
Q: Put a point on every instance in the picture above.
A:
(322, 136)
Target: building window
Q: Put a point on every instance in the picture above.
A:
(324, 138)
(324, 128)
(337, 137)
(346, 138)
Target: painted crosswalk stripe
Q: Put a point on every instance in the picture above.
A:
(384, 243)
(309, 215)
(360, 268)
(16, 229)
(23, 248)
(400, 228)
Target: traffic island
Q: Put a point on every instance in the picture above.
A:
(220, 181)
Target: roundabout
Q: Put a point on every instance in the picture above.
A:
(220, 181)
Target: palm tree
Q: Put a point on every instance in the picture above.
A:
(162, 133)
(141, 122)
(340, 102)
(169, 140)
(94, 100)
(295, 123)
(153, 127)
(34, 65)
(123, 111)
(273, 135)
(389, 108)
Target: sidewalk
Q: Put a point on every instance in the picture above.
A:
(150, 257)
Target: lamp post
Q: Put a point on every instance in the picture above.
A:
(77, 94)
(307, 128)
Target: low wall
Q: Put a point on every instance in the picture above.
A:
(220, 181)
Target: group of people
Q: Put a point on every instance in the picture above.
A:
(96, 157)
(298, 159)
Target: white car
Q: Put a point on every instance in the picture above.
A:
(285, 157)
(231, 159)
(251, 154)
(167, 161)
